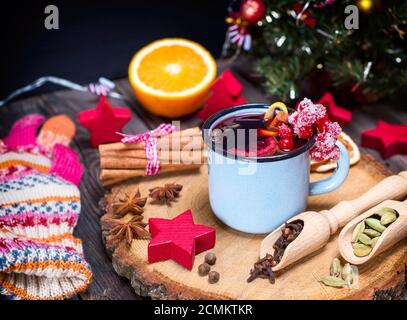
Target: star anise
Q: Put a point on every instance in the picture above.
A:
(167, 193)
(131, 203)
(127, 231)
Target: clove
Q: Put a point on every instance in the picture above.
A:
(263, 267)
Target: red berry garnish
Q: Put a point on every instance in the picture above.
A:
(305, 132)
(321, 123)
(286, 144)
(285, 131)
(268, 148)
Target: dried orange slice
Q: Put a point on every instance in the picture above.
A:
(172, 77)
(267, 133)
(271, 111)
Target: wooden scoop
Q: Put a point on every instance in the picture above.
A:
(319, 226)
(395, 232)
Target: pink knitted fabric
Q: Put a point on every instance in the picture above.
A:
(24, 132)
(39, 207)
(66, 165)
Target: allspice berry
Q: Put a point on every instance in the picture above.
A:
(203, 269)
(213, 277)
(210, 258)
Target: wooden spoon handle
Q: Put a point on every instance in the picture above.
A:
(390, 188)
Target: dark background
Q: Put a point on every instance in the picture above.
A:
(97, 38)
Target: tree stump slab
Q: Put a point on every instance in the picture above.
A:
(382, 278)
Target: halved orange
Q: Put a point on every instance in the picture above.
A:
(172, 77)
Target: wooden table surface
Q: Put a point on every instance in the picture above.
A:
(106, 283)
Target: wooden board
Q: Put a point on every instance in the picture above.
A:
(382, 278)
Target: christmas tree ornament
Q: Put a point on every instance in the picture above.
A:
(389, 139)
(301, 13)
(179, 239)
(237, 32)
(226, 92)
(323, 3)
(104, 122)
(335, 112)
(367, 6)
(253, 11)
(299, 38)
(249, 14)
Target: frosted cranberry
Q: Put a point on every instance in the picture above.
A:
(333, 129)
(305, 132)
(304, 104)
(285, 131)
(322, 123)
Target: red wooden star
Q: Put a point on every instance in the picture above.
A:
(226, 92)
(179, 239)
(387, 138)
(335, 112)
(104, 121)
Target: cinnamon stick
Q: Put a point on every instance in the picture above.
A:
(112, 176)
(182, 150)
(134, 159)
(176, 140)
(163, 144)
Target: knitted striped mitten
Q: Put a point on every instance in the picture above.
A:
(39, 207)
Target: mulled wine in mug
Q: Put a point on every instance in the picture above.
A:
(259, 167)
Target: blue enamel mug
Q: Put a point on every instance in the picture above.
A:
(258, 194)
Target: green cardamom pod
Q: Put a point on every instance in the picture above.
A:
(365, 239)
(332, 281)
(346, 270)
(375, 224)
(385, 210)
(372, 233)
(335, 269)
(374, 241)
(347, 274)
(388, 218)
(348, 281)
(360, 227)
(361, 250)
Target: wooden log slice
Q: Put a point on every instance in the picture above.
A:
(382, 278)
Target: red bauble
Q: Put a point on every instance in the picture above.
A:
(252, 11)
(305, 15)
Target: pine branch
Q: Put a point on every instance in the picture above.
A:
(373, 57)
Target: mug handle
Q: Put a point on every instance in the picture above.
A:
(337, 177)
